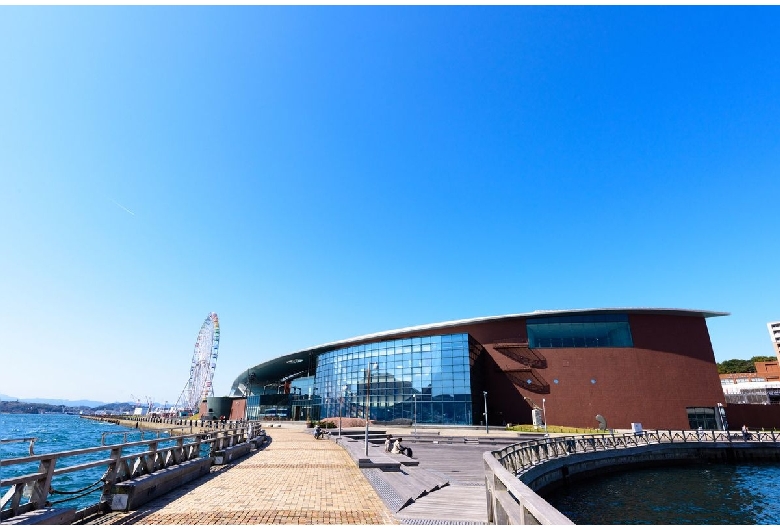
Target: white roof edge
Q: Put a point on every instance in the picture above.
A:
(537, 313)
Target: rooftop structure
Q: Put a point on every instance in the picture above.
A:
(774, 334)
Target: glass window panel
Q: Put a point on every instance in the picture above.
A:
(580, 331)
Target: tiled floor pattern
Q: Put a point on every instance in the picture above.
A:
(294, 480)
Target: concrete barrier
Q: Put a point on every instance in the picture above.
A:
(228, 454)
(257, 441)
(131, 494)
(509, 501)
(47, 516)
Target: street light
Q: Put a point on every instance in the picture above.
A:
(544, 417)
(246, 397)
(367, 407)
(250, 379)
(341, 404)
(314, 404)
(487, 429)
(415, 412)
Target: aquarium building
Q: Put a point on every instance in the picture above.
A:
(627, 365)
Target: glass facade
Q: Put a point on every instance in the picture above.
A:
(580, 331)
(702, 417)
(424, 377)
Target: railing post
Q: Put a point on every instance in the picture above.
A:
(41, 487)
(149, 460)
(110, 477)
(489, 480)
(178, 451)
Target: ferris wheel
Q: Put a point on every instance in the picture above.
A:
(204, 361)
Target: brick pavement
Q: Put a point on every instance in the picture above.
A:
(294, 480)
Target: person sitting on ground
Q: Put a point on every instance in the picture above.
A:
(388, 443)
(317, 432)
(399, 449)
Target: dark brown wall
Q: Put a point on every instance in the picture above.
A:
(754, 416)
(671, 367)
(238, 409)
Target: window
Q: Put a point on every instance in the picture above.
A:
(580, 331)
(703, 417)
(435, 369)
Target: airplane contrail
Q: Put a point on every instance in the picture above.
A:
(125, 209)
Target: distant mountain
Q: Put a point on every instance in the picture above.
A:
(66, 402)
(50, 401)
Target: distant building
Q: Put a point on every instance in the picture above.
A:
(774, 334)
(759, 388)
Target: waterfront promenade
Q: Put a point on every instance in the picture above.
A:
(295, 479)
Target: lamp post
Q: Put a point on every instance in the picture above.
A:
(487, 429)
(341, 404)
(308, 407)
(314, 403)
(415, 412)
(246, 398)
(250, 379)
(367, 407)
(544, 417)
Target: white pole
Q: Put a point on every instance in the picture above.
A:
(365, 414)
(341, 405)
(246, 399)
(487, 429)
(415, 412)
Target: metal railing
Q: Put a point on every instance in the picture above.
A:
(30, 491)
(30, 441)
(522, 456)
(510, 501)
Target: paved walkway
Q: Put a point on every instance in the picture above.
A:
(294, 480)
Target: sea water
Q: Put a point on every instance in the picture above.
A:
(708, 494)
(62, 432)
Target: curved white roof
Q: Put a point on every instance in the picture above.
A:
(545, 313)
(287, 364)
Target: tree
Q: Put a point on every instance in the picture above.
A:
(737, 366)
(763, 358)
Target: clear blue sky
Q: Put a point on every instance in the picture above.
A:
(313, 174)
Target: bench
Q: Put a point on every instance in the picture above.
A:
(488, 440)
(430, 438)
(131, 494)
(357, 452)
(47, 516)
(443, 440)
(258, 440)
(224, 456)
(402, 459)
